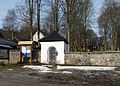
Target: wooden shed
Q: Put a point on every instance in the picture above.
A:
(5, 47)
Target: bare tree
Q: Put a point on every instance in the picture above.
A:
(109, 23)
(53, 15)
(73, 18)
(77, 16)
(10, 21)
(26, 12)
(70, 17)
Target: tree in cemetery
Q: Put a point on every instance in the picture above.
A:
(92, 40)
(77, 14)
(109, 24)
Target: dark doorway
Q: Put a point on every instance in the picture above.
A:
(52, 55)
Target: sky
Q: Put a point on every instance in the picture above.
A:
(9, 4)
(97, 9)
(4, 6)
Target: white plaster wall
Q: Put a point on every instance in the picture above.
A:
(35, 36)
(66, 47)
(59, 47)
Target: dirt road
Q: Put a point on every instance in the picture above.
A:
(9, 82)
(26, 77)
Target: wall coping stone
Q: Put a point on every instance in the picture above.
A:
(95, 52)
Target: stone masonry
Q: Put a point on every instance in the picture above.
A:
(93, 58)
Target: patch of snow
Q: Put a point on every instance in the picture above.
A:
(45, 71)
(84, 82)
(49, 72)
(47, 65)
(117, 72)
(66, 72)
(10, 69)
(85, 68)
(41, 68)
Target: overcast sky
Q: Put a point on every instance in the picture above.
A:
(9, 4)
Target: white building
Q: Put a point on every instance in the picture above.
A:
(35, 35)
(53, 48)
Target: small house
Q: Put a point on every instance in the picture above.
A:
(53, 48)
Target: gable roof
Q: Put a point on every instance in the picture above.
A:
(40, 31)
(53, 37)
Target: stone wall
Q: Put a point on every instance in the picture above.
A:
(93, 58)
(78, 58)
(14, 56)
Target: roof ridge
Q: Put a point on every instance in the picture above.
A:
(54, 36)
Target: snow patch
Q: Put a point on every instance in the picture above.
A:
(66, 72)
(85, 68)
(45, 71)
(49, 72)
(10, 69)
(41, 68)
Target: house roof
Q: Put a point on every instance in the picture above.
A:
(5, 46)
(53, 37)
(7, 43)
(40, 31)
(25, 42)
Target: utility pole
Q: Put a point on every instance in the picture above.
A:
(56, 15)
(68, 25)
(38, 18)
(31, 18)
